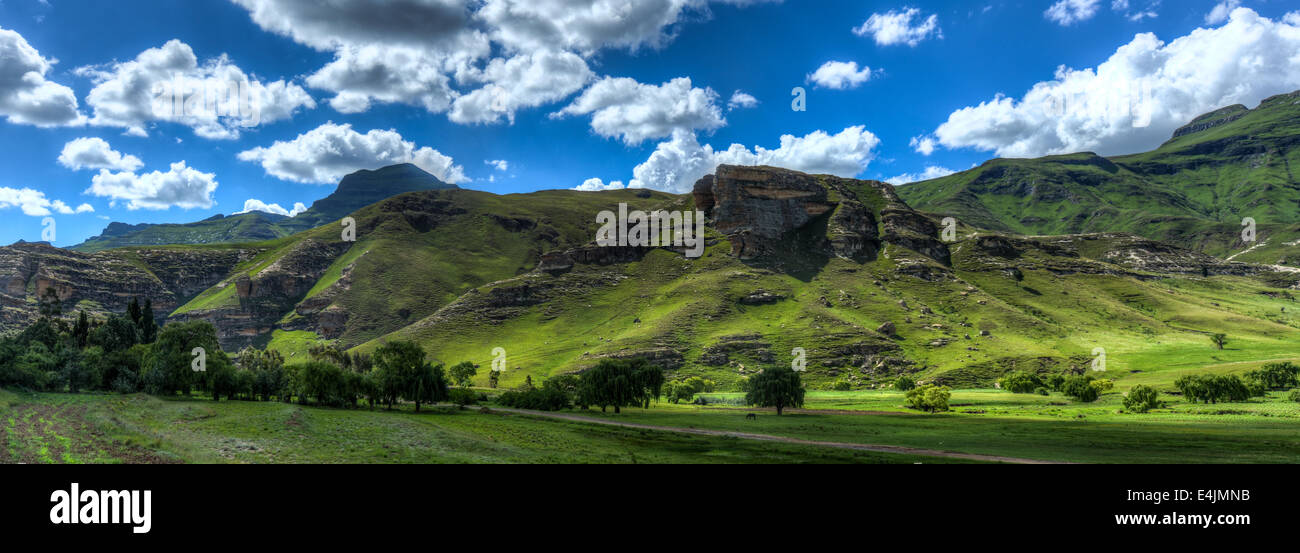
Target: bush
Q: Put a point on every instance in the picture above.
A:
(1275, 376)
(1020, 382)
(904, 383)
(1042, 392)
(1142, 399)
(1080, 388)
(1212, 388)
(546, 398)
(929, 398)
(1103, 385)
(842, 386)
(463, 396)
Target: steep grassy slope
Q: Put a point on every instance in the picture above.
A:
(414, 253)
(1193, 191)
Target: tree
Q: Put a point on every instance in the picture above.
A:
(929, 398)
(1275, 376)
(171, 365)
(81, 331)
(133, 311)
(620, 383)
(494, 378)
(148, 324)
(51, 307)
(1080, 387)
(1021, 382)
(1219, 340)
(463, 373)
(1142, 399)
(118, 333)
(778, 387)
(904, 383)
(404, 374)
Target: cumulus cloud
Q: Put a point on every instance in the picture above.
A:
(34, 203)
(438, 54)
(839, 75)
(95, 153)
(181, 186)
(169, 84)
(252, 204)
(524, 81)
(676, 164)
(26, 97)
(897, 27)
(635, 112)
(597, 185)
(326, 154)
(924, 145)
(931, 172)
(1069, 12)
(1136, 99)
(1221, 11)
(499, 164)
(741, 100)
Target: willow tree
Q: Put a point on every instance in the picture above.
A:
(778, 387)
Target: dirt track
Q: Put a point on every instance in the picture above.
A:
(780, 439)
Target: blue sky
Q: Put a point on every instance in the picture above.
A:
(597, 96)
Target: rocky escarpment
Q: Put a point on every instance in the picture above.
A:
(760, 208)
(105, 282)
(266, 295)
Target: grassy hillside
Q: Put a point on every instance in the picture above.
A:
(1193, 191)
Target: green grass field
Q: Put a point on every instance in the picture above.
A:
(106, 428)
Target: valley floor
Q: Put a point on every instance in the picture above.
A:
(836, 427)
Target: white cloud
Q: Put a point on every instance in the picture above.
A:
(924, 145)
(427, 52)
(676, 164)
(524, 81)
(95, 153)
(499, 164)
(34, 203)
(1069, 12)
(896, 27)
(1136, 15)
(26, 97)
(215, 98)
(839, 75)
(1134, 101)
(931, 172)
(1221, 11)
(183, 187)
(741, 100)
(252, 204)
(326, 154)
(635, 112)
(597, 185)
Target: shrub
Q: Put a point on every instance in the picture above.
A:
(1056, 382)
(842, 386)
(537, 399)
(1020, 382)
(1142, 399)
(904, 383)
(929, 398)
(463, 396)
(1103, 385)
(1080, 388)
(1275, 376)
(1211, 388)
(1042, 392)
(1294, 395)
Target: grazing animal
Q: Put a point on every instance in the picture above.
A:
(751, 417)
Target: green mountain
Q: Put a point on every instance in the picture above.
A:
(1193, 191)
(354, 192)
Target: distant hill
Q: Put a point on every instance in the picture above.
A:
(354, 192)
(1192, 191)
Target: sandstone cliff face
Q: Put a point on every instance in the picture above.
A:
(105, 282)
(265, 296)
(758, 208)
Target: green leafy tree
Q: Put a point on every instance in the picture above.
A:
(117, 333)
(1220, 340)
(81, 330)
(1080, 388)
(620, 383)
(1021, 382)
(172, 356)
(929, 398)
(463, 373)
(778, 387)
(148, 324)
(50, 306)
(904, 383)
(494, 379)
(1141, 399)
